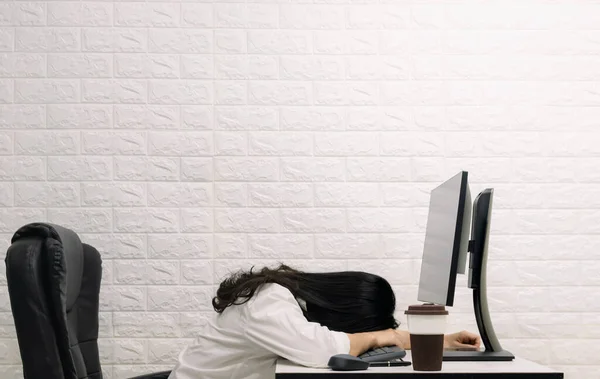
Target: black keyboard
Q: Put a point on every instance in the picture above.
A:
(383, 354)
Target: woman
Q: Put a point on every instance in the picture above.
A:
(304, 317)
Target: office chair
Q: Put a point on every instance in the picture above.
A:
(54, 287)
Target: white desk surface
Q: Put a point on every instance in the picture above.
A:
(517, 366)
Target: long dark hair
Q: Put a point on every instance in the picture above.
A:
(346, 301)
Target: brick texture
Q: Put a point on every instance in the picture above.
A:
(186, 139)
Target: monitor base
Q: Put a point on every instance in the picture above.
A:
(481, 356)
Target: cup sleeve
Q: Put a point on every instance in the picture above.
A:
(274, 321)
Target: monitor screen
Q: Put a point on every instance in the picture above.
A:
(446, 240)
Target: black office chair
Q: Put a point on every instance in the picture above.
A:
(54, 287)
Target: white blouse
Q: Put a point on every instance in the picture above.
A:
(245, 340)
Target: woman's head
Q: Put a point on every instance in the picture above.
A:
(347, 301)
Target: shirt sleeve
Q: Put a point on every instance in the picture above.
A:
(274, 321)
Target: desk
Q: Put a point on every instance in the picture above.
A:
(517, 369)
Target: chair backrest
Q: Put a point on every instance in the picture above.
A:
(54, 287)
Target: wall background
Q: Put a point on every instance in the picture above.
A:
(186, 139)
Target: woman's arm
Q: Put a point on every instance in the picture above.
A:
(274, 321)
(361, 342)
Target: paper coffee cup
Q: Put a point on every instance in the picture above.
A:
(427, 326)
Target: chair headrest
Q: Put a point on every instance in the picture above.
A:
(65, 255)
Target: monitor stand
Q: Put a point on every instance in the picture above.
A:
(478, 248)
(493, 351)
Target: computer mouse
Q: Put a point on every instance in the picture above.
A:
(347, 362)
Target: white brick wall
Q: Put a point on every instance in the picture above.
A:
(186, 139)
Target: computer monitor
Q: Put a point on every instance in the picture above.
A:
(444, 256)
(446, 240)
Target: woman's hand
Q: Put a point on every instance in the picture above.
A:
(361, 342)
(462, 341)
(392, 337)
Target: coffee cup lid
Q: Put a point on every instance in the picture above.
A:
(426, 309)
